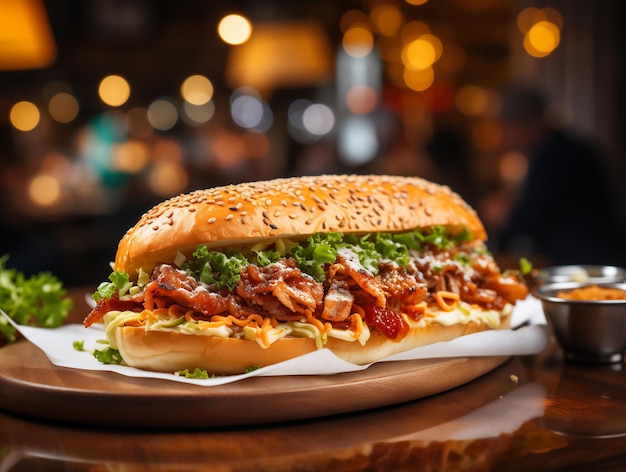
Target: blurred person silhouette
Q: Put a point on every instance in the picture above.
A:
(565, 211)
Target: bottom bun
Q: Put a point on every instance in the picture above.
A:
(379, 346)
(172, 352)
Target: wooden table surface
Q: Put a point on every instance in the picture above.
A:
(535, 413)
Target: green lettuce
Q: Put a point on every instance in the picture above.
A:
(38, 300)
(118, 282)
(216, 268)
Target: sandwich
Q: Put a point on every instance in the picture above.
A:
(243, 276)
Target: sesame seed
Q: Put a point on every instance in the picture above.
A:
(243, 213)
(211, 220)
(293, 216)
(268, 202)
(229, 217)
(273, 226)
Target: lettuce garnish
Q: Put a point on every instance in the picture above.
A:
(212, 267)
(36, 300)
(118, 281)
(223, 270)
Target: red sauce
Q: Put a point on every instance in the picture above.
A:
(389, 322)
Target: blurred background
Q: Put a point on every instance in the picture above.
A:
(110, 106)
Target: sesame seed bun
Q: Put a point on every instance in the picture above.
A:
(291, 208)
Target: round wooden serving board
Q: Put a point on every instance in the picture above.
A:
(31, 385)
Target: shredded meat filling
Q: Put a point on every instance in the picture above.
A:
(280, 290)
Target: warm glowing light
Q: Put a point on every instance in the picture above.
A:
(416, 2)
(197, 89)
(418, 54)
(234, 29)
(513, 167)
(358, 42)
(130, 156)
(44, 190)
(24, 116)
(419, 79)
(542, 38)
(294, 54)
(63, 107)
(162, 114)
(361, 99)
(26, 39)
(114, 90)
(168, 178)
(472, 100)
(387, 19)
(435, 42)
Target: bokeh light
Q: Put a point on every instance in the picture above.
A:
(44, 190)
(542, 38)
(24, 116)
(197, 89)
(167, 178)
(318, 119)
(357, 140)
(195, 115)
(162, 114)
(63, 107)
(129, 156)
(249, 111)
(353, 18)
(472, 100)
(419, 79)
(361, 99)
(387, 18)
(513, 167)
(358, 42)
(114, 90)
(234, 29)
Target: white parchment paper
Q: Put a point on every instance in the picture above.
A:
(528, 336)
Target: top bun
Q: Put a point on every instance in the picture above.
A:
(291, 208)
